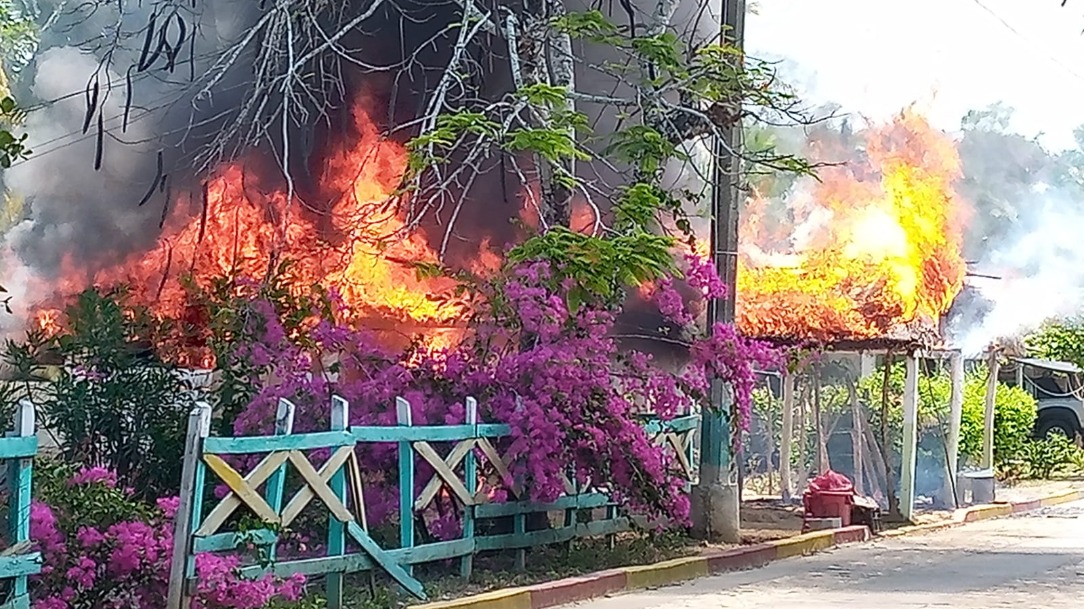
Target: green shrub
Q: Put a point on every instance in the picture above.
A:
(1059, 340)
(111, 404)
(1014, 412)
(1046, 457)
(1014, 421)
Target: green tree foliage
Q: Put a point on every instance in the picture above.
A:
(682, 92)
(1001, 172)
(111, 402)
(1059, 341)
(18, 38)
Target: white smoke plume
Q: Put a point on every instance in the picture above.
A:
(1037, 270)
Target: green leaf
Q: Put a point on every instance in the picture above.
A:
(588, 25)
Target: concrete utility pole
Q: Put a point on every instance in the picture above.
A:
(715, 500)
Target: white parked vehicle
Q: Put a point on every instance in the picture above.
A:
(1058, 389)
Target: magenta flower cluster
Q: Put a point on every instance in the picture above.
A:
(574, 400)
(722, 352)
(94, 560)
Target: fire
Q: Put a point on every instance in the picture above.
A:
(356, 244)
(875, 248)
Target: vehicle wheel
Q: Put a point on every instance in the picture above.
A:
(1056, 424)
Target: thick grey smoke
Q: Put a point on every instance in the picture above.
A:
(85, 217)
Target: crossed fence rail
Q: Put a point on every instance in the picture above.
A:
(17, 561)
(470, 453)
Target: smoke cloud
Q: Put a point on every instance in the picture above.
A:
(85, 217)
(1039, 270)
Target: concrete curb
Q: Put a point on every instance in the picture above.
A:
(616, 581)
(977, 513)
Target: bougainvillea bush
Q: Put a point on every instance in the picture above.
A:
(546, 365)
(104, 549)
(540, 355)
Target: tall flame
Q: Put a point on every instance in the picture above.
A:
(356, 245)
(875, 248)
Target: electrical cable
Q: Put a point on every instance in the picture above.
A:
(1030, 44)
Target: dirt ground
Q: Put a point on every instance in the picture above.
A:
(767, 519)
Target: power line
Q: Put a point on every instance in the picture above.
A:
(1032, 45)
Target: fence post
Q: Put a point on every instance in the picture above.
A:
(406, 480)
(572, 514)
(189, 511)
(519, 520)
(284, 426)
(470, 478)
(336, 540)
(20, 477)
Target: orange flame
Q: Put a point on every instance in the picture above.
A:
(358, 245)
(875, 251)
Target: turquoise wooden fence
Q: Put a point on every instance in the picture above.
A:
(17, 561)
(457, 456)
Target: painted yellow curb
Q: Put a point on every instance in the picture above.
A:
(918, 529)
(803, 544)
(515, 598)
(666, 573)
(1066, 497)
(985, 512)
(982, 512)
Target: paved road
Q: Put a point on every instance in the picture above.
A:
(1027, 561)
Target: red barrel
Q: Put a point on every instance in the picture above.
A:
(830, 495)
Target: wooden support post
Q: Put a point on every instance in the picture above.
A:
(190, 509)
(802, 438)
(20, 477)
(470, 479)
(874, 456)
(857, 456)
(787, 437)
(988, 418)
(336, 537)
(952, 442)
(910, 438)
(406, 480)
(823, 463)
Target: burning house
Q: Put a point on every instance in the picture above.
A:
(863, 261)
(866, 257)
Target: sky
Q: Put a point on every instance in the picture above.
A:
(874, 57)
